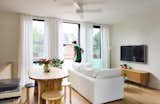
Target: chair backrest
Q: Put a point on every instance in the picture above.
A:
(9, 70)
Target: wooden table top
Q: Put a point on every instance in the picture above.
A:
(55, 73)
(135, 70)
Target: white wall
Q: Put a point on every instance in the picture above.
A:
(9, 36)
(136, 31)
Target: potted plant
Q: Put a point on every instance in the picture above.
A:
(46, 62)
(57, 63)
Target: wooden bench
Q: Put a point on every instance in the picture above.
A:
(9, 80)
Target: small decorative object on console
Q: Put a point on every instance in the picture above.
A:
(124, 66)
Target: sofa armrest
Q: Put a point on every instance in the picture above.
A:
(82, 84)
(108, 89)
(97, 91)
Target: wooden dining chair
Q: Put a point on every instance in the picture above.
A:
(66, 84)
(28, 86)
(52, 97)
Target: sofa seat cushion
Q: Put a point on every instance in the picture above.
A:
(8, 84)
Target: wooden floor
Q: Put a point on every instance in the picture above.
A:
(133, 95)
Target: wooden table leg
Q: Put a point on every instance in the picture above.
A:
(65, 94)
(70, 94)
(36, 88)
(41, 87)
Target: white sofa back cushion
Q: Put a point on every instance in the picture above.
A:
(108, 73)
(88, 71)
(78, 66)
(99, 73)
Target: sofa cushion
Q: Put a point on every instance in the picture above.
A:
(88, 71)
(108, 73)
(77, 66)
(9, 84)
(99, 73)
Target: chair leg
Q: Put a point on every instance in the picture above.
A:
(20, 101)
(27, 100)
(50, 102)
(70, 94)
(65, 94)
(59, 101)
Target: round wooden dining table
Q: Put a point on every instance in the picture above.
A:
(48, 81)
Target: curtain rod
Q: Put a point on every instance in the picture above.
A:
(38, 20)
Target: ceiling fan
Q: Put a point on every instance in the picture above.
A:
(79, 7)
(80, 10)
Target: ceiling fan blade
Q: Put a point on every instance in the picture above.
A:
(81, 15)
(92, 10)
(79, 2)
(95, 2)
(67, 3)
(77, 6)
(58, 3)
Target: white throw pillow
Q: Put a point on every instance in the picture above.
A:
(108, 73)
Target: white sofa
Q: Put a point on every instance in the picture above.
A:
(104, 86)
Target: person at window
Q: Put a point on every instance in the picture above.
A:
(77, 52)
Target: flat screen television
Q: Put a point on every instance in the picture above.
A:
(135, 53)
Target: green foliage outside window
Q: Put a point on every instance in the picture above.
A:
(97, 45)
(38, 41)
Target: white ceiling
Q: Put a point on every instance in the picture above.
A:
(112, 10)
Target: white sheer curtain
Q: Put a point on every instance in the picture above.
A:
(83, 41)
(105, 46)
(53, 28)
(25, 50)
(87, 42)
(86, 37)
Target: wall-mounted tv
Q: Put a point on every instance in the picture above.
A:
(135, 53)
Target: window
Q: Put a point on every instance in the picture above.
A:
(71, 32)
(40, 45)
(96, 42)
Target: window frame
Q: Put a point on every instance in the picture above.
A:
(78, 32)
(78, 41)
(40, 20)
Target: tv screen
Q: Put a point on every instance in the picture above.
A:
(134, 53)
